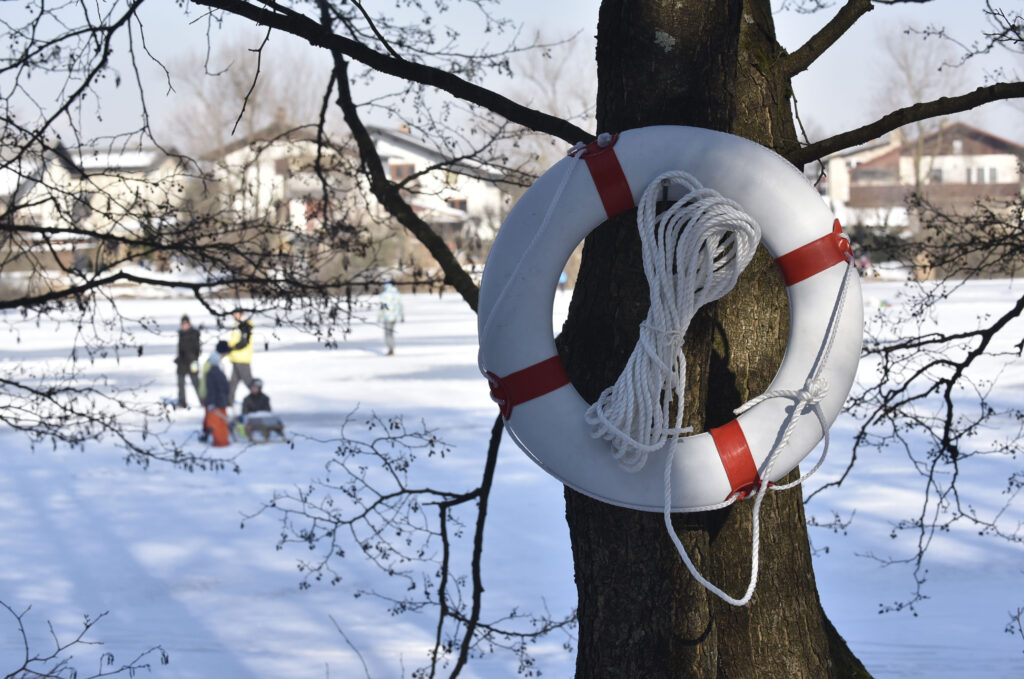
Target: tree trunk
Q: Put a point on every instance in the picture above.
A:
(641, 614)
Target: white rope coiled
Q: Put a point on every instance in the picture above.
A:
(693, 254)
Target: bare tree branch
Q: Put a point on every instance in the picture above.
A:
(934, 397)
(799, 60)
(56, 664)
(368, 498)
(388, 193)
(903, 116)
(255, 77)
(290, 21)
(478, 545)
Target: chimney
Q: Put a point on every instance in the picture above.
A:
(403, 128)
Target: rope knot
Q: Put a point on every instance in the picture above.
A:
(813, 392)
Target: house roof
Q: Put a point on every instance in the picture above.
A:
(402, 138)
(406, 140)
(23, 174)
(112, 159)
(274, 132)
(889, 159)
(975, 142)
(280, 132)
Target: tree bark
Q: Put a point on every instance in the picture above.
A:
(712, 65)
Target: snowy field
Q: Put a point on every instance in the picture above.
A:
(162, 549)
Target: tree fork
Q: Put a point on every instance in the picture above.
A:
(717, 66)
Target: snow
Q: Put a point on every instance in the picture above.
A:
(162, 549)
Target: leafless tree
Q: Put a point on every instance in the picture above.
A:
(916, 69)
(728, 73)
(233, 89)
(82, 218)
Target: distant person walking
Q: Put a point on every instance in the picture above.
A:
(390, 312)
(215, 385)
(187, 359)
(240, 343)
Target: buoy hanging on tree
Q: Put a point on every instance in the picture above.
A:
(729, 195)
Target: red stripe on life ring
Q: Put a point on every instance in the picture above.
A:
(813, 258)
(527, 384)
(610, 180)
(736, 458)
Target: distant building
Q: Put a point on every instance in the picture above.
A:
(67, 202)
(57, 202)
(953, 167)
(273, 175)
(465, 199)
(87, 191)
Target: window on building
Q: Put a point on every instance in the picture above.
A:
(935, 175)
(958, 147)
(400, 171)
(969, 175)
(314, 208)
(457, 203)
(993, 176)
(81, 207)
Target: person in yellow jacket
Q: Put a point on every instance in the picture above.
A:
(240, 342)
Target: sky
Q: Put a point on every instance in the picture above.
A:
(841, 91)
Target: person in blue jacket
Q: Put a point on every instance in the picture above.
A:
(216, 396)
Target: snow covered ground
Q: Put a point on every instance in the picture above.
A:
(162, 549)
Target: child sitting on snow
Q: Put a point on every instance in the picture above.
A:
(256, 400)
(256, 414)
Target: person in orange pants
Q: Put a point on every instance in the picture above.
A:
(216, 389)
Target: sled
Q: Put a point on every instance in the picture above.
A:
(265, 426)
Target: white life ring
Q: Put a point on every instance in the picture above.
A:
(544, 414)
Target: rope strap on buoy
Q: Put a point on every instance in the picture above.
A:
(526, 384)
(816, 256)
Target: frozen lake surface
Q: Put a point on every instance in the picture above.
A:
(162, 549)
